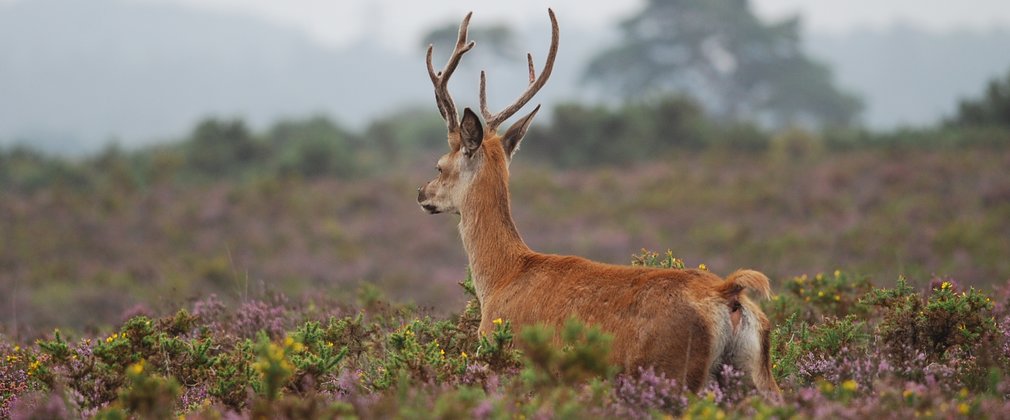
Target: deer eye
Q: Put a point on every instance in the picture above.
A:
(438, 168)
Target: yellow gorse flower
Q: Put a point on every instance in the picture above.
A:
(850, 385)
(34, 366)
(136, 368)
(497, 321)
(702, 267)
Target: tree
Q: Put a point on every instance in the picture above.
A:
(719, 52)
(222, 147)
(313, 147)
(993, 108)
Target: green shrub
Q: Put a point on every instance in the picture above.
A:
(944, 320)
(583, 354)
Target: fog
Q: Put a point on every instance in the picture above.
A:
(75, 76)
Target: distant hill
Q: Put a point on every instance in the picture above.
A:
(908, 76)
(77, 74)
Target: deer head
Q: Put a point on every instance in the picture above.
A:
(474, 148)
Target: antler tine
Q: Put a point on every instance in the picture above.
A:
(443, 99)
(533, 73)
(483, 98)
(494, 120)
(434, 81)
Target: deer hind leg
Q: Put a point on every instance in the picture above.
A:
(750, 349)
(693, 358)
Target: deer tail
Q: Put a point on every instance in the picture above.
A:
(743, 280)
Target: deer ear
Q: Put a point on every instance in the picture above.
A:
(471, 133)
(510, 141)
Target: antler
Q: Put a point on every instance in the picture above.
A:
(494, 120)
(446, 107)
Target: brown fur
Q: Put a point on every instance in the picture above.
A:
(668, 319)
(682, 322)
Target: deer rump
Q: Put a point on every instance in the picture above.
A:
(683, 323)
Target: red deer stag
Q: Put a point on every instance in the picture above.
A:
(684, 323)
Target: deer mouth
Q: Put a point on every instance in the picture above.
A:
(430, 209)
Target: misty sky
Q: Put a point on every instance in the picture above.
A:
(905, 77)
(398, 23)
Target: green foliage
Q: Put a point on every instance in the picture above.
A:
(582, 354)
(313, 147)
(496, 350)
(55, 348)
(796, 144)
(836, 295)
(580, 135)
(942, 322)
(273, 362)
(792, 340)
(319, 357)
(222, 148)
(401, 135)
(833, 334)
(993, 108)
(414, 354)
(653, 259)
(148, 395)
(350, 333)
(234, 375)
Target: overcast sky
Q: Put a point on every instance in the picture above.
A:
(399, 23)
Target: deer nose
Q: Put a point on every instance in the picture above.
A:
(420, 194)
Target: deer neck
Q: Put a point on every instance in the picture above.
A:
(489, 234)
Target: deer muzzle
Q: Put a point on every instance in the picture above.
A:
(421, 198)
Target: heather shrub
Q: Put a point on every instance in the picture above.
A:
(795, 341)
(940, 323)
(899, 352)
(14, 376)
(642, 394)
